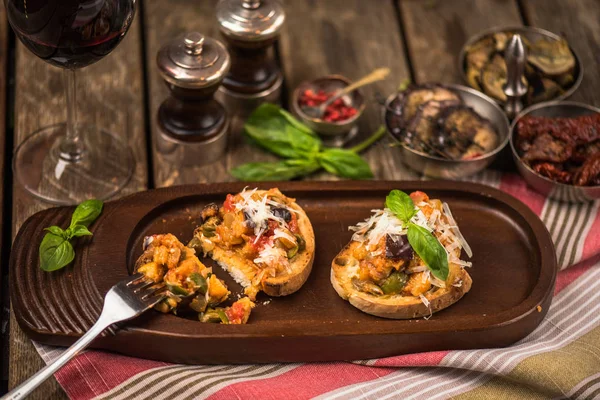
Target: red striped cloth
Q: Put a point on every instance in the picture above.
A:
(561, 358)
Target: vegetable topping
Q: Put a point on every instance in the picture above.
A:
(406, 248)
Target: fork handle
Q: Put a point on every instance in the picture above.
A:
(30, 384)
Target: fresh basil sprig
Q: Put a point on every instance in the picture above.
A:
(56, 249)
(427, 246)
(279, 132)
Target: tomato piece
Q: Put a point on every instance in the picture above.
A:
(293, 224)
(418, 197)
(229, 204)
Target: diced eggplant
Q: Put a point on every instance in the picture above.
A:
(398, 248)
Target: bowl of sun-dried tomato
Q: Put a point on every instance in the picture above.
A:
(339, 117)
(556, 146)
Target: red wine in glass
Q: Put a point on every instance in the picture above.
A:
(70, 33)
(68, 163)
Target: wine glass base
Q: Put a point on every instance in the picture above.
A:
(104, 168)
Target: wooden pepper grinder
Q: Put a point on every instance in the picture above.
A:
(192, 123)
(250, 28)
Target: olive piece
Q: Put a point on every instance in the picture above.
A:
(398, 248)
(282, 213)
(211, 210)
(248, 221)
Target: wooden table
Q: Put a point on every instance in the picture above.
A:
(417, 39)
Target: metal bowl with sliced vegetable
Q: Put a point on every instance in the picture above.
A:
(446, 131)
(553, 70)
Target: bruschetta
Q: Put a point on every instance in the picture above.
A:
(190, 285)
(262, 238)
(404, 261)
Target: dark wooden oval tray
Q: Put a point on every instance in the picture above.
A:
(513, 279)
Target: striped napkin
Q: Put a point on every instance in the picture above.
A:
(560, 359)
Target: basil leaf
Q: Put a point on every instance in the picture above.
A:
(56, 252)
(345, 163)
(57, 230)
(86, 213)
(274, 171)
(401, 205)
(277, 131)
(79, 230)
(429, 249)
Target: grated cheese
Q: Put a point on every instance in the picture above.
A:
(374, 228)
(259, 211)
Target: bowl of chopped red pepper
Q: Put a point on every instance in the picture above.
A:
(340, 116)
(556, 146)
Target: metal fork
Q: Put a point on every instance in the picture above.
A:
(126, 300)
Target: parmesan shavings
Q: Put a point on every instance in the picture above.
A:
(381, 223)
(280, 233)
(459, 235)
(424, 300)
(258, 211)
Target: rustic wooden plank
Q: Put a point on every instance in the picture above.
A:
(578, 22)
(165, 21)
(4, 61)
(110, 94)
(436, 31)
(352, 38)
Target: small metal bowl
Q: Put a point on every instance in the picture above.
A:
(329, 83)
(437, 167)
(531, 34)
(546, 186)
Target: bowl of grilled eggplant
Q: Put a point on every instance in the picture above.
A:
(552, 69)
(446, 131)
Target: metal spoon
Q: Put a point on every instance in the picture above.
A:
(375, 76)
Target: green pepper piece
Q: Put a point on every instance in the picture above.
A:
(214, 315)
(199, 282)
(223, 316)
(196, 245)
(301, 242)
(199, 303)
(209, 316)
(292, 252)
(177, 290)
(394, 283)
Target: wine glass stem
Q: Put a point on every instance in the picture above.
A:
(71, 147)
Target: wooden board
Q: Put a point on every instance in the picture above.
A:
(313, 324)
(351, 38)
(109, 95)
(436, 31)
(578, 22)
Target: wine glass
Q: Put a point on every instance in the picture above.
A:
(67, 163)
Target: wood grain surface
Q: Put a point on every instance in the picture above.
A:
(578, 21)
(164, 22)
(110, 95)
(351, 38)
(436, 31)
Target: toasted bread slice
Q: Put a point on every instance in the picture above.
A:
(249, 274)
(400, 306)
